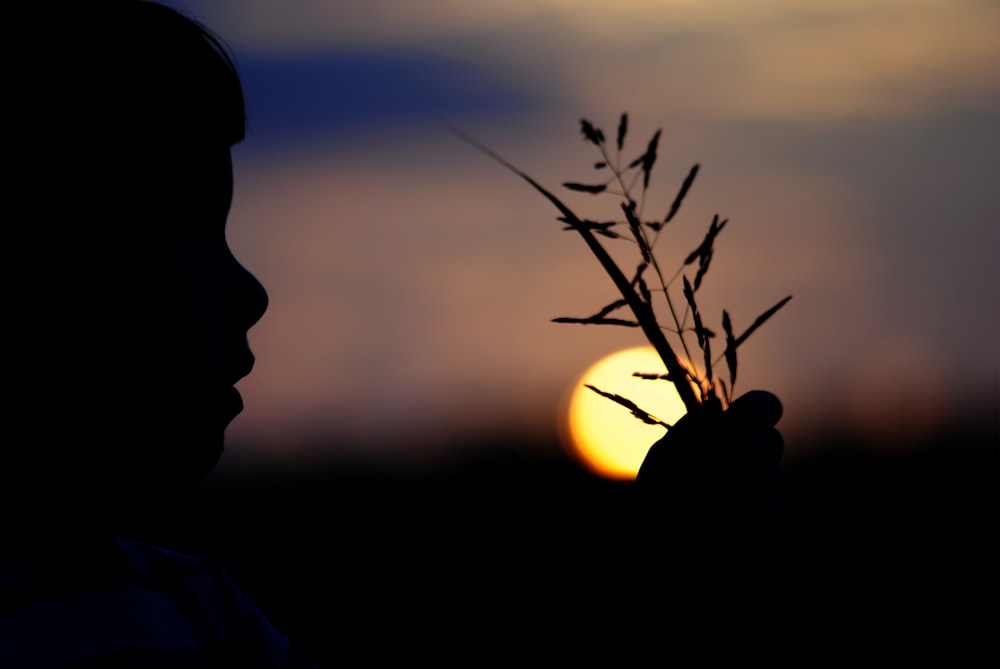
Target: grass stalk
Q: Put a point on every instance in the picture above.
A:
(635, 294)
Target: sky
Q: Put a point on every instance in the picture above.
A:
(853, 145)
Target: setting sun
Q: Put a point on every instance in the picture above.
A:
(605, 436)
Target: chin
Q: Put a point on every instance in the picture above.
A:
(166, 463)
(190, 461)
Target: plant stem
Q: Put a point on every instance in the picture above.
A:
(643, 311)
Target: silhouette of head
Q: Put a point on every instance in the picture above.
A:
(130, 314)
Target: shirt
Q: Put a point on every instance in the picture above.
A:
(140, 605)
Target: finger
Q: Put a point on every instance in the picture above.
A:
(757, 407)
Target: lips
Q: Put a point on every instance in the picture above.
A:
(243, 369)
(231, 400)
(232, 404)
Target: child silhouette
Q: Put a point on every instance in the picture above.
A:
(129, 331)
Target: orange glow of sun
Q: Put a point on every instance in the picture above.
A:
(603, 435)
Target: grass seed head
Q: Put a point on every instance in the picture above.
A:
(636, 293)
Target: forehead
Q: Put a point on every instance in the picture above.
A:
(196, 167)
(199, 161)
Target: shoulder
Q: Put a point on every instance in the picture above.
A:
(154, 601)
(203, 593)
(142, 560)
(210, 600)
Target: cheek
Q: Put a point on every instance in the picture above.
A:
(187, 335)
(155, 324)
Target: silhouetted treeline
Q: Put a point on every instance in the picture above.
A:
(505, 556)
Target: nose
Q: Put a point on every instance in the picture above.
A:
(258, 300)
(247, 299)
(256, 297)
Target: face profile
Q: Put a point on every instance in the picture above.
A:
(149, 333)
(126, 332)
(129, 323)
(183, 306)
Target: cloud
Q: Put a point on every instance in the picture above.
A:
(779, 59)
(308, 95)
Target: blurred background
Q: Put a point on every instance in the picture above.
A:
(853, 145)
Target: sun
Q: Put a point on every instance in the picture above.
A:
(603, 435)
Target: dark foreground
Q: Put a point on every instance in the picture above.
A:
(504, 560)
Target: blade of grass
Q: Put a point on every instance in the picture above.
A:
(642, 310)
(641, 414)
(760, 321)
(680, 195)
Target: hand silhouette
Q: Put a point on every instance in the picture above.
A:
(719, 465)
(712, 523)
